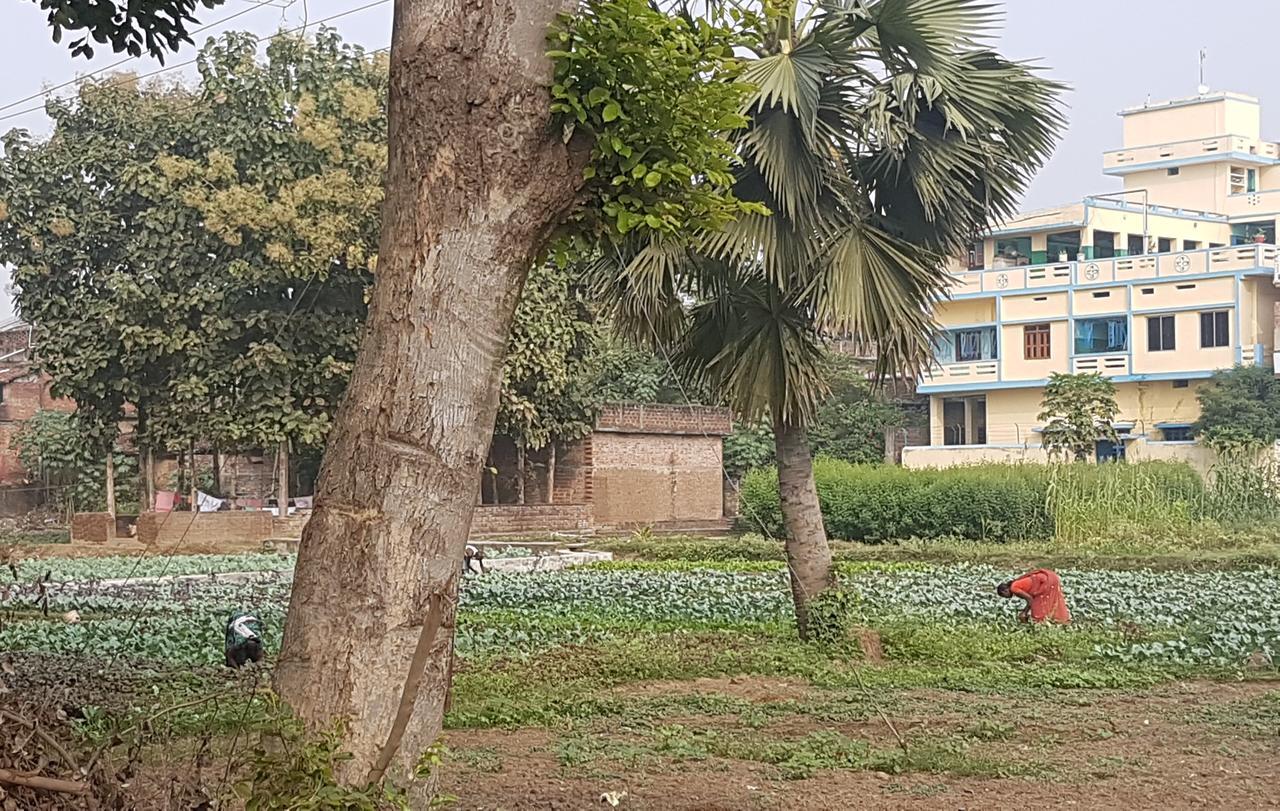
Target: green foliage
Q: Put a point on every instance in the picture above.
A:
(998, 502)
(833, 616)
(548, 390)
(1240, 409)
(56, 450)
(657, 94)
(873, 503)
(292, 770)
(849, 423)
(155, 27)
(1077, 411)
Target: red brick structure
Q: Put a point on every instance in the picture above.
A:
(657, 466)
(22, 393)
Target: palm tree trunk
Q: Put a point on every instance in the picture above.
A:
(808, 554)
(477, 179)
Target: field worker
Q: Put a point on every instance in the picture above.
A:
(243, 639)
(473, 555)
(1042, 592)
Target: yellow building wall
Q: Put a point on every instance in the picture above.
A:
(1257, 314)
(966, 311)
(1187, 353)
(1198, 187)
(1207, 293)
(1167, 124)
(1127, 222)
(1099, 301)
(1014, 362)
(1047, 306)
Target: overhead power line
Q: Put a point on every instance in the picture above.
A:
(177, 65)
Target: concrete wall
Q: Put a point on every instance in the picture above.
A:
(1198, 456)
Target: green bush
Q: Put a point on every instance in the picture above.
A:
(987, 502)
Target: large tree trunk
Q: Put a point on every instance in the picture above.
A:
(808, 554)
(477, 180)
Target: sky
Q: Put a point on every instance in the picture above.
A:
(1112, 53)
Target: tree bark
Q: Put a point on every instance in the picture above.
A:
(477, 180)
(282, 479)
(194, 484)
(111, 482)
(808, 554)
(521, 473)
(149, 478)
(551, 473)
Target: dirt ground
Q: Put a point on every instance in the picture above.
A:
(1185, 745)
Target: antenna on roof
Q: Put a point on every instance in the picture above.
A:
(1202, 88)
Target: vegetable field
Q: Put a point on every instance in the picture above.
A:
(682, 678)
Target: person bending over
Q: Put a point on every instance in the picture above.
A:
(1041, 590)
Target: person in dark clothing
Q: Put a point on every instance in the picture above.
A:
(473, 555)
(243, 640)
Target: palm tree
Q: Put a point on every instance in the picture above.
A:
(882, 137)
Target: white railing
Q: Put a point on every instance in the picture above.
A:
(1181, 150)
(1105, 365)
(970, 372)
(1119, 269)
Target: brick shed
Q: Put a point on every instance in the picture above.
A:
(643, 466)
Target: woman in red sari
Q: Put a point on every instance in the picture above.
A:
(1042, 592)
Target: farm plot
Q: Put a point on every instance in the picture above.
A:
(682, 683)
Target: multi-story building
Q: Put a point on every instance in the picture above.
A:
(1156, 287)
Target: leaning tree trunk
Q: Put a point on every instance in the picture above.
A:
(808, 554)
(477, 180)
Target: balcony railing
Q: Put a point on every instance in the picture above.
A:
(981, 371)
(1119, 269)
(1119, 159)
(1105, 365)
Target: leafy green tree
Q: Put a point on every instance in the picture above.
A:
(881, 138)
(548, 393)
(286, 179)
(57, 452)
(1077, 411)
(1240, 407)
(96, 264)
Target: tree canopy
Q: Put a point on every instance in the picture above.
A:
(1240, 407)
(156, 27)
(1077, 411)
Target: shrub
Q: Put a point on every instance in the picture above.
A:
(987, 502)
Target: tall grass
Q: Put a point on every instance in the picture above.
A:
(1068, 502)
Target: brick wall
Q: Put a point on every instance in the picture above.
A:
(646, 479)
(204, 528)
(92, 527)
(665, 419)
(530, 519)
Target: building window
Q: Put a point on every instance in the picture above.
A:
(1160, 337)
(1164, 245)
(977, 255)
(966, 345)
(1239, 180)
(1148, 291)
(1181, 433)
(1012, 252)
(1104, 294)
(1035, 338)
(1190, 245)
(1214, 330)
(1181, 384)
(1172, 170)
(953, 422)
(1136, 248)
(1095, 336)
(964, 421)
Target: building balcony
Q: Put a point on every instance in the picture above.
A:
(1122, 269)
(1113, 365)
(969, 372)
(1237, 148)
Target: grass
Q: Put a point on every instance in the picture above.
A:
(1209, 548)
(35, 536)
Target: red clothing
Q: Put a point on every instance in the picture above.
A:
(1042, 589)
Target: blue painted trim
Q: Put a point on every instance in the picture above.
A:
(1236, 318)
(1032, 229)
(1189, 308)
(1163, 425)
(999, 341)
(1035, 291)
(1132, 336)
(988, 445)
(1172, 442)
(1048, 319)
(1213, 157)
(925, 388)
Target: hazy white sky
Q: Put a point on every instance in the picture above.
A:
(1113, 53)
